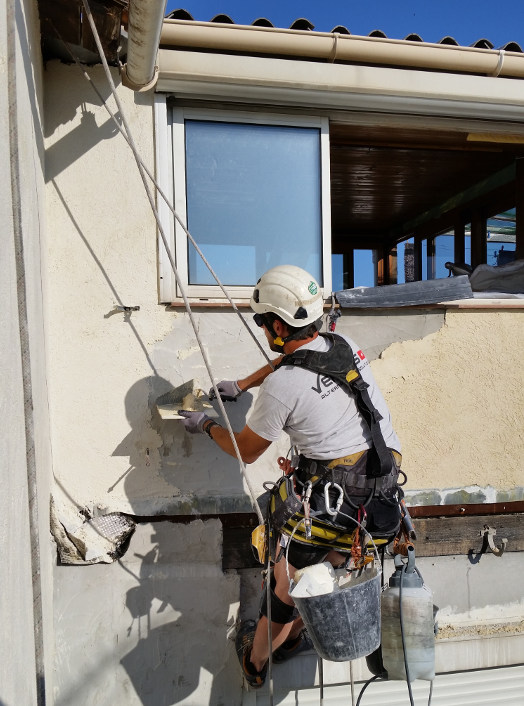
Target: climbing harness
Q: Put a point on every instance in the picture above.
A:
(340, 365)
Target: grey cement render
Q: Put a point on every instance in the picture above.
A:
(375, 331)
(156, 627)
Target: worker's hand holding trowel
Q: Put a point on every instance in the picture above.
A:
(228, 390)
(194, 421)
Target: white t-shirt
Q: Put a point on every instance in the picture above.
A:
(320, 417)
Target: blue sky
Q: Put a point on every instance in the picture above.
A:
(465, 20)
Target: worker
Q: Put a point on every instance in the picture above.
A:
(326, 425)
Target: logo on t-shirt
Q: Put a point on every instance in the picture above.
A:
(325, 386)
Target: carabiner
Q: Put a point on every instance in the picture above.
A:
(333, 511)
(306, 506)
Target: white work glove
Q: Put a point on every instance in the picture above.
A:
(194, 421)
(228, 390)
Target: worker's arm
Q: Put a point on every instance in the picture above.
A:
(230, 390)
(250, 445)
(258, 377)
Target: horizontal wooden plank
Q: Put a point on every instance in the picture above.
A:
(462, 535)
(436, 536)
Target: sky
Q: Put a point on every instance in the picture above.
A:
(465, 20)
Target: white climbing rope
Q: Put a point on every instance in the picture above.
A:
(143, 172)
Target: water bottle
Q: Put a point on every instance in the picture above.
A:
(413, 602)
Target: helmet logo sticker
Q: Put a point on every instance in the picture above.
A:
(312, 288)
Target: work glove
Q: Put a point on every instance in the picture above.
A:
(194, 421)
(228, 390)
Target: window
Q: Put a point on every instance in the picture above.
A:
(253, 191)
(365, 268)
(501, 239)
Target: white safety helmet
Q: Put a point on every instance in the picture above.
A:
(291, 293)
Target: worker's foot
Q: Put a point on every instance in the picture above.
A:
(293, 647)
(243, 644)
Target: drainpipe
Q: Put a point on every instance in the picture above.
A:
(140, 73)
(332, 47)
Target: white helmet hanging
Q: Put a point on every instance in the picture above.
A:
(289, 292)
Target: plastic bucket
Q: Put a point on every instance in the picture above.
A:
(344, 625)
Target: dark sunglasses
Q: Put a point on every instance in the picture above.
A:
(259, 320)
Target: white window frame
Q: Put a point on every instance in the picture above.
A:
(170, 160)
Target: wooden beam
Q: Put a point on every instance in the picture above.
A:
(459, 241)
(478, 238)
(478, 191)
(418, 259)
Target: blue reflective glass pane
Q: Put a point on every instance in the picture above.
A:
(424, 257)
(365, 274)
(444, 252)
(253, 199)
(337, 272)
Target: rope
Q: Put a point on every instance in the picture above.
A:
(162, 194)
(141, 169)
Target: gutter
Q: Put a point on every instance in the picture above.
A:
(140, 73)
(333, 47)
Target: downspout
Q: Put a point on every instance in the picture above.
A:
(140, 73)
(330, 47)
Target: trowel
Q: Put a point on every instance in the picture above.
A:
(185, 396)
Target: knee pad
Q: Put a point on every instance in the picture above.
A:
(280, 612)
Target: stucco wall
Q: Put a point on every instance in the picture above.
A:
(25, 468)
(451, 378)
(458, 403)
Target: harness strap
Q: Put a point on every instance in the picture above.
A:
(338, 363)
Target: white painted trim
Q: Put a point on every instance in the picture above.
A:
(164, 176)
(320, 85)
(487, 687)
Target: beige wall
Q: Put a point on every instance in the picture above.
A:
(454, 389)
(458, 401)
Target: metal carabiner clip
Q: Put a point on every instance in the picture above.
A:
(305, 504)
(333, 511)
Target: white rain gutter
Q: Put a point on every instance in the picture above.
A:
(332, 47)
(140, 73)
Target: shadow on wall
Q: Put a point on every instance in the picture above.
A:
(202, 478)
(80, 95)
(180, 622)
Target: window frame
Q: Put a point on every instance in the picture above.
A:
(171, 174)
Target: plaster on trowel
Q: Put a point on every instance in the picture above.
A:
(185, 396)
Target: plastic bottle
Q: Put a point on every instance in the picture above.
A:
(418, 622)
